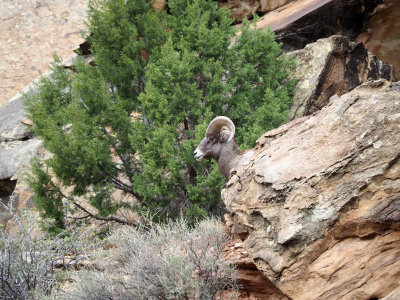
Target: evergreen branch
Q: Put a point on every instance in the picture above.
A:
(121, 185)
(92, 215)
(123, 157)
(106, 219)
(84, 105)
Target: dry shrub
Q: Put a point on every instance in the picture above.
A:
(31, 261)
(170, 261)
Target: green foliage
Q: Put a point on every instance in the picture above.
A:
(262, 93)
(48, 196)
(120, 32)
(171, 73)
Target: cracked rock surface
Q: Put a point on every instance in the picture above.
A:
(319, 206)
(254, 285)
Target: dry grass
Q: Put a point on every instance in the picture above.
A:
(171, 261)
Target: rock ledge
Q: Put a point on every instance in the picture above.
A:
(318, 208)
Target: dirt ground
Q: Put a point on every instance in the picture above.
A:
(30, 32)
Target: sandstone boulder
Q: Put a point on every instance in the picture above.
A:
(374, 23)
(334, 65)
(17, 144)
(268, 5)
(318, 208)
(14, 161)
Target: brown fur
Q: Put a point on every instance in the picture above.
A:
(227, 154)
(219, 144)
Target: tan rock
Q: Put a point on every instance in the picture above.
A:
(301, 22)
(267, 5)
(31, 31)
(160, 4)
(289, 13)
(241, 9)
(374, 23)
(319, 207)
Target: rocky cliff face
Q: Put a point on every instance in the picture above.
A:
(374, 23)
(318, 208)
(301, 22)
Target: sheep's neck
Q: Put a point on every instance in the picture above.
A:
(228, 158)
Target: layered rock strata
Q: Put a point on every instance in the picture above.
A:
(253, 285)
(319, 206)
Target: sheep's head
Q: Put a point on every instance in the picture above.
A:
(220, 131)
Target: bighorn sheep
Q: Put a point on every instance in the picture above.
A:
(219, 143)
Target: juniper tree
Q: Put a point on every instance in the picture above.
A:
(132, 122)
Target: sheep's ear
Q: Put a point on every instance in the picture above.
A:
(224, 136)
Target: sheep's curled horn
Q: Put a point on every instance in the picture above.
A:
(223, 126)
(220, 145)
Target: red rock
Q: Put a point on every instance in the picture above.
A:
(254, 284)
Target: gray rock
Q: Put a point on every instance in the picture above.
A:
(11, 116)
(15, 154)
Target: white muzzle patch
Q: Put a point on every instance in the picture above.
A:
(198, 154)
